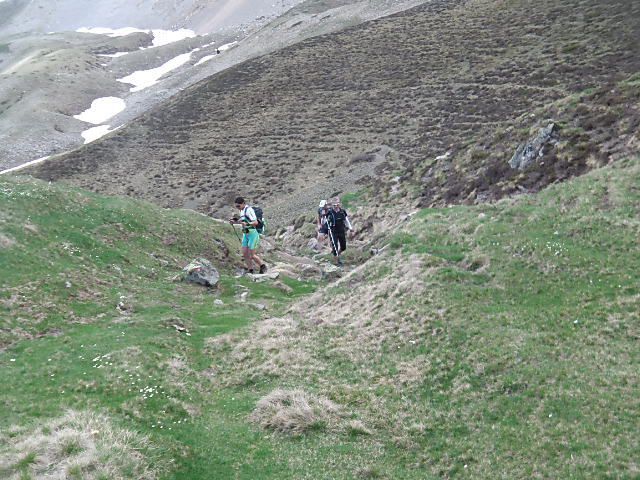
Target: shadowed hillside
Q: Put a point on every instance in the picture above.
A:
(422, 82)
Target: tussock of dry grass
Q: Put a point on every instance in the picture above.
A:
(295, 412)
(77, 445)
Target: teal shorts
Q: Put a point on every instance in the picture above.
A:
(251, 239)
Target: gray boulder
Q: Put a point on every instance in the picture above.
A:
(535, 148)
(201, 271)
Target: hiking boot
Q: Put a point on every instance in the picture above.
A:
(263, 268)
(250, 271)
(339, 263)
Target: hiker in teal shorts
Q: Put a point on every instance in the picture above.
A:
(250, 235)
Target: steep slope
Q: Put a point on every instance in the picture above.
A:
(420, 82)
(24, 16)
(491, 341)
(101, 348)
(46, 79)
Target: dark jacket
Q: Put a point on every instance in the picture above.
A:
(337, 220)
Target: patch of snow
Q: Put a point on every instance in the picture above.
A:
(227, 46)
(96, 132)
(204, 59)
(164, 37)
(114, 55)
(146, 78)
(24, 165)
(102, 109)
(160, 37)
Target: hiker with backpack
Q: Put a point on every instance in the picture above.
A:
(252, 226)
(321, 223)
(338, 223)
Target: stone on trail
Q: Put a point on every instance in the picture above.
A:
(330, 271)
(283, 286)
(310, 272)
(313, 245)
(263, 277)
(201, 271)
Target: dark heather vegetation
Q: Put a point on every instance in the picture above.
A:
(432, 79)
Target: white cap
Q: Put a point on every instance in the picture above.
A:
(322, 203)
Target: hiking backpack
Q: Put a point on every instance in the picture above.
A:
(261, 222)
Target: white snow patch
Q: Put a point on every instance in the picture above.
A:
(160, 37)
(227, 46)
(204, 59)
(114, 55)
(97, 132)
(102, 109)
(146, 78)
(164, 37)
(24, 165)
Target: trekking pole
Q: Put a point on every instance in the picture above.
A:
(333, 242)
(236, 232)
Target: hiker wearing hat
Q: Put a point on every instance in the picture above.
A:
(250, 235)
(338, 223)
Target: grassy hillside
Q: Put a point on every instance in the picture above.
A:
(92, 321)
(494, 341)
(497, 341)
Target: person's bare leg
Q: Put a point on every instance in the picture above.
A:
(246, 253)
(256, 258)
(321, 239)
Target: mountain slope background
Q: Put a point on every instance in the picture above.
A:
(50, 72)
(486, 325)
(416, 84)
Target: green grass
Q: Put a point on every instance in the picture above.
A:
(73, 257)
(350, 200)
(518, 353)
(497, 341)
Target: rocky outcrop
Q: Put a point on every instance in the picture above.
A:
(527, 153)
(201, 271)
